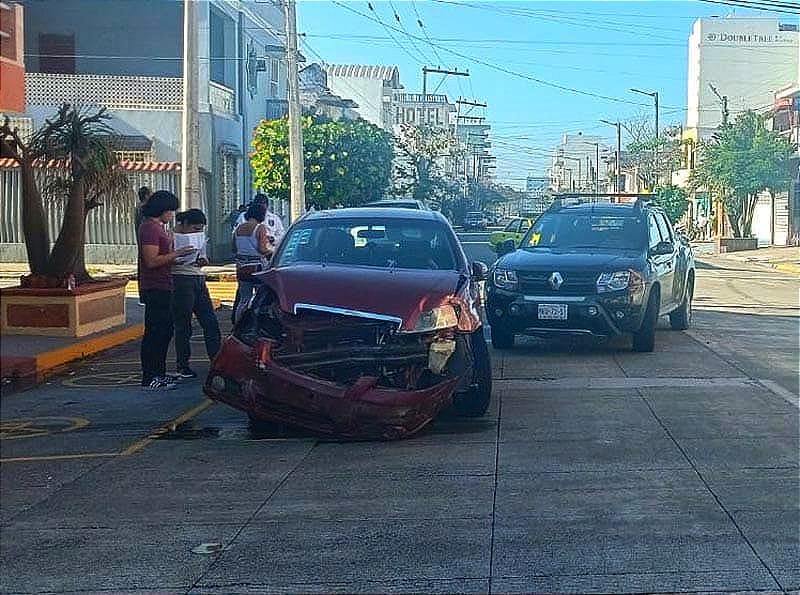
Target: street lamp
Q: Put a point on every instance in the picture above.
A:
(619, 150)
(654, 95)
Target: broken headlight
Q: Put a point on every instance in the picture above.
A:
(437, 319)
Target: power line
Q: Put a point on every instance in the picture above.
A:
(411, 41)
(779, 8)
(387, 28)
(511, 72)
(425, 32)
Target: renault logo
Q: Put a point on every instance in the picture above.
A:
(556, 281)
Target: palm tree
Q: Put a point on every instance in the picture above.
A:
(85, 174)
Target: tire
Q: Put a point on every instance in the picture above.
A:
(475, 402)
(644, 341)
(502, 338)
(680, 319)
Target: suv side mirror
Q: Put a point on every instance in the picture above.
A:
(663, 248)
(506, 247)
(480, 272)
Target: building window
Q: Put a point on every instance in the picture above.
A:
(56, 53)
(217, 46)
(275, 78)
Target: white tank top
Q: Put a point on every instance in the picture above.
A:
(247, 246)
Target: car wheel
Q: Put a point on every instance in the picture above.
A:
(475, 402)
(681, 318)
(644, 340)
(502, 338)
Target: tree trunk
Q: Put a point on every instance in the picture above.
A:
(748, 211)
(68, 249)
(34, 221)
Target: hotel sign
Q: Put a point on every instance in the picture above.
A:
(736, 38)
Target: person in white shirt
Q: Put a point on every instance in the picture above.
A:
(271, 221)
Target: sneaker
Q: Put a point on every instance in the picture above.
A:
(160, 383)
(185, 374)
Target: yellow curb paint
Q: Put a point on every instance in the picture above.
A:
(788, 267)
(168, 427)
(88, 455)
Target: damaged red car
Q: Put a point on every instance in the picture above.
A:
(366, 326)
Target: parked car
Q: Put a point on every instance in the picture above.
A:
(366, 326)
(474, 220)
(592, 269)
(514, 229)
(397, 204)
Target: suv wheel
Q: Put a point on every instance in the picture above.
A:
(502, 338)
(475, 401)
(644, 340)
(681, 318)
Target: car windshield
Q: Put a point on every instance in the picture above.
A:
(587, 230)
(379, 242)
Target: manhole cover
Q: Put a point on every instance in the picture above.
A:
(31, 427)
(104, 380)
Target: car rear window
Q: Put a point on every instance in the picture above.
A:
(587, 230)
(381, 243)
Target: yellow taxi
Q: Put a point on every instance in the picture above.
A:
(514, 230)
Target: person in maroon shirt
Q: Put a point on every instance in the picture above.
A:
(157, 254)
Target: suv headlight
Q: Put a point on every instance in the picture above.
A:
(437, 319)
(613, 281)
(505, 279)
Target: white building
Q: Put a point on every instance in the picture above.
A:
(371, 87)
(575, 163)
(537, 189)
(747, 61)
(129, 59)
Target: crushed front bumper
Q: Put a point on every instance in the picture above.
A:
(271, 391)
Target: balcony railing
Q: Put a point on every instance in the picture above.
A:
(276, 109)
(113, 92)
(222, 99)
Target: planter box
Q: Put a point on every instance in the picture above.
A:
(724, 245)
(63, 312)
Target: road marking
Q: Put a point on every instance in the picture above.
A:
(168, 427)
(626, 383)
(778, 390)
(32, 427)
(104, 380)
(88, 455)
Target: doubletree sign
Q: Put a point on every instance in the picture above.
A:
(746, 38)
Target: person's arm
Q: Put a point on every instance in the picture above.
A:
(264, 245)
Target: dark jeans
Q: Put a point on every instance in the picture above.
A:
(191, 296)
(157, 332)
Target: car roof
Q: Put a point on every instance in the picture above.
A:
(397, 203)
(599, 209)
(375, 213)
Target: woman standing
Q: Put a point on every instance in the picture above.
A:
(253, 247)
(155, 287)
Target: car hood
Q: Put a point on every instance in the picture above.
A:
(591, 259)
(401, 293)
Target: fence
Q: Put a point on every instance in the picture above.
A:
(110, 232)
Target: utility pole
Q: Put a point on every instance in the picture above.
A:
(190, 120)
(619, 151)
(597, 168)
(654, 95)
(723, 101)
(426, 71)
(297, 202)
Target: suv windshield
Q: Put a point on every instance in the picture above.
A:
(566, 230)
(382, 243)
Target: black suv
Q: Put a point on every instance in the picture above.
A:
(592, 269)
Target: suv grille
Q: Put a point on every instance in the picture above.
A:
(575, 283)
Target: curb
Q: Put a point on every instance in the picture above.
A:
(24, 372)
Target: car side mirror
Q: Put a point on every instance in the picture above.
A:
(506, 247)
(480, 272)
(663, 248)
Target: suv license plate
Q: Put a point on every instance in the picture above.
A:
(552, 311)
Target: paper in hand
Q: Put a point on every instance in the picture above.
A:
(193, 240)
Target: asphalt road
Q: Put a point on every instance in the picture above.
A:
(597, 470)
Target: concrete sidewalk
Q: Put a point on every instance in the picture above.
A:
(782, 258)
(12, 271)
(28, 360)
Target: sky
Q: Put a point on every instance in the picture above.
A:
(544, 68)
